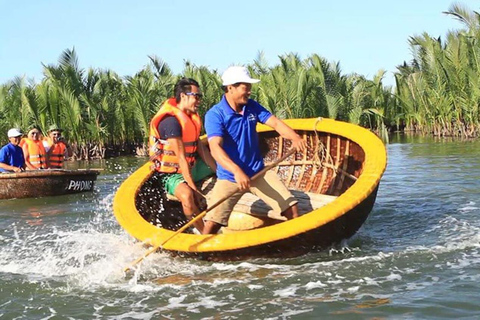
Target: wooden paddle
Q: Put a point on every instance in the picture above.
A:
(201, 215)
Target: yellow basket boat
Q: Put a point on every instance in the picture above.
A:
(335, 181)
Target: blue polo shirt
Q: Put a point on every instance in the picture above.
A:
(11, 155)
(240, 138)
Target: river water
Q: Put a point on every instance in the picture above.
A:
(416, 257)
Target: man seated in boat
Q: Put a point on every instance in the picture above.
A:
(233, 140)
(174, 145)
(56, 147)
(11, 155)
(33, 150)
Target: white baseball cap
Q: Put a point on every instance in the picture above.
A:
(237, 74)
(14, 132)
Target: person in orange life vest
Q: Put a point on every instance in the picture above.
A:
(11, 155)
(56, 148)
(33, 150)
(174, 144)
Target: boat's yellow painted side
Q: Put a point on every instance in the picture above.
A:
(374, 166)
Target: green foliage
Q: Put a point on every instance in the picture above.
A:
(98, 109)
(438, 92)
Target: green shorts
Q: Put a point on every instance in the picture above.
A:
(171, 181)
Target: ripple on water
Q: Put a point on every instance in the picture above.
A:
(420, 244)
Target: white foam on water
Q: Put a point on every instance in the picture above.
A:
(393, 277)
(248, 266)
(286, 292)
(291, 313)
(353, 289)
(83, 255)
(136, 315)
(453, 234)
(314, 285)
(255, 287)
(179, 302)
(221, 282)
(470, 206)
(91, 257)
(370, 282)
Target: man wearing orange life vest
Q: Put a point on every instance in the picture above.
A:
(33, 150)
(174, 144)
(56, 148)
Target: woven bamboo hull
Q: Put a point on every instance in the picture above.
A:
(343, 163)
(43, 183)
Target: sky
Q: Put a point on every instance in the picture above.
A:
(363, 36)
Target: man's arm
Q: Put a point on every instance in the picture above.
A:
(9, 167)
(48, 154)
(286, 132)
(224, 160)
(68, 150)
(206, 155)
(179, 149)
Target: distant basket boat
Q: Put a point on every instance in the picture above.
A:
(335, 182)
(43, 183)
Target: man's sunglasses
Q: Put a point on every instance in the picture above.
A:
(195, 94)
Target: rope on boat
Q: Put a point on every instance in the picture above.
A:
(323, 158)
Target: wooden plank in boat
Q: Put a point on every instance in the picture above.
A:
(251, 204)
(307, 201)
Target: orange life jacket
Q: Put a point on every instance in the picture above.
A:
(165, 159)
(57, 153)
(37, 155)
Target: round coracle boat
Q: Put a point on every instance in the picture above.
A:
(335, 182)
(48, 182)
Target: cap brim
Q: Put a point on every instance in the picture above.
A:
(251, 81)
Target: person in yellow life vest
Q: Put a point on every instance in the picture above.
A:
(33, 150)
(174, 145)
(56, 147)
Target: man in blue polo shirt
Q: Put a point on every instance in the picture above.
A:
(11, 155)
(233, 140)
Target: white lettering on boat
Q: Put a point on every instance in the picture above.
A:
(76, 185)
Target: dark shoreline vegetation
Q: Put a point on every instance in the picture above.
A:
(436, 93)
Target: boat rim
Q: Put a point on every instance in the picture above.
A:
(47, 173)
